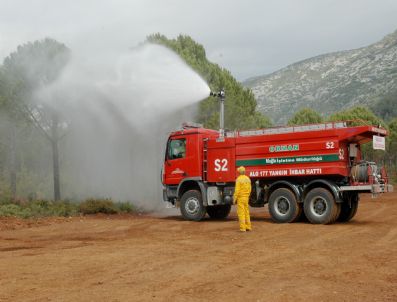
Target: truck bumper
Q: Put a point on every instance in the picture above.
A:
(169, 193)
(375, 189)
(165, 197)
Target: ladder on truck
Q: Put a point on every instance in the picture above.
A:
(290, 129)
(205, 158)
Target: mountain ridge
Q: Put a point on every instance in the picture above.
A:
(329, 82)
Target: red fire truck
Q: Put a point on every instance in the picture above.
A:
(312, 170)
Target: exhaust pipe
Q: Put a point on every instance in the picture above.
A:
(221, 96)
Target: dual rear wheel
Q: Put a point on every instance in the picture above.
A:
(349, 208)
(319, 207)
(284, 206)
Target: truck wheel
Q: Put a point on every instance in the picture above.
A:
(192, 207)
(283, 206)
(301, 215)
(320, 206)
(337, 212)
(219, 212)
(348, 209)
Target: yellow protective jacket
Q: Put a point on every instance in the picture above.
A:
(243, 188)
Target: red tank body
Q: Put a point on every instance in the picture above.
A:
(303, 150)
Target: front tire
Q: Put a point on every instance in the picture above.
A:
(219, 212)
(192, 207)
(283, 206)
(320, 206)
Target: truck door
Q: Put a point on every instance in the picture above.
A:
(221, 160)
(181, 159)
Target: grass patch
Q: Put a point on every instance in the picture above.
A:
(45, 208)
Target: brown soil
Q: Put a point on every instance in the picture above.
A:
(142, 258)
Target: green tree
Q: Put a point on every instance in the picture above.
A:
(393, 129)
(391, 147)
(305, 116)
(3, 145)
(240, 104)
(31, 67)
(363, 116)
(358, 116)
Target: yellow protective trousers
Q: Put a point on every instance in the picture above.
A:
(241, 195)
(243, 214)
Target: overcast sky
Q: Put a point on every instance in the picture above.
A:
(247, 37)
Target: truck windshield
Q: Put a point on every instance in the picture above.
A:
(176, 148)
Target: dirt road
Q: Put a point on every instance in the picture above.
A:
(141, 258)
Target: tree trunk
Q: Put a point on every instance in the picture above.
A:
(55, 156)
(13, 161)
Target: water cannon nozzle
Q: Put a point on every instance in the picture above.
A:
(220, 94)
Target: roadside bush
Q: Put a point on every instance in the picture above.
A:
(45, 208)
(65, 209)
(105, 206)
(94, 206)
(7, 210)
(38, 208)
(125, 207)
(14, 210)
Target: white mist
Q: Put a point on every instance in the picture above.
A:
(120, 109)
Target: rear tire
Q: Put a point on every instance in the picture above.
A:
(348, 208)
(337, 212)
(192, 207)
(219, 212)
(320, 206)
(283, 206)
(301, 215)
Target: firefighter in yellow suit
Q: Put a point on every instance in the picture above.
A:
(241, 197)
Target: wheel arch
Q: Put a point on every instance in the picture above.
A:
(326, 184)
(287, 185)
(192, 183)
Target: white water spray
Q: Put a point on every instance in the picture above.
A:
(120, 109)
